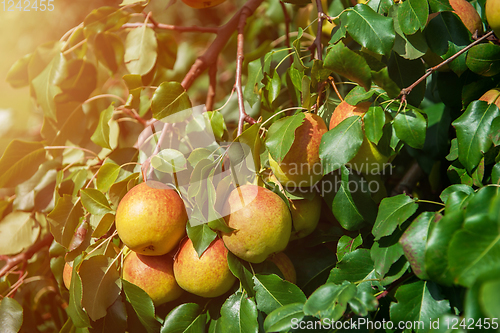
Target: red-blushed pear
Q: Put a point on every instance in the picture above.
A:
(492, 97)
(492, 10)
(369, 159)
(301, 166)
(154, 275)
(67, 273)
(202, 3)
(285, 265)
(305, 216)
(468, 14)
(261, 221)
(151, 218)
(206, 276)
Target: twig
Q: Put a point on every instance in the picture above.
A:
(406, 91)
(409, 180)
(239, 64)
(212, 75)
(317, 41)
(224, 33)
(23, 257)
(332, 81)
(287, 30)
(172, 27)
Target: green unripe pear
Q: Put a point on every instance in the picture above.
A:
(305, 216)
(262, 223)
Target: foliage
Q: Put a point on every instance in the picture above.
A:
(415, 241)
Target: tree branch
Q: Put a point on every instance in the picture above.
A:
(23, 257)
(224, 33)
(239, 64)
(287, 30)
(317, 41)
(406, 91)
(212, 75)
(172, 27)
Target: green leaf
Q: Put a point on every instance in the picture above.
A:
(242, 270)
(45, 85)
(142, 306)
(282, 319)
(444, 29)
(411, 126)
(109, 50)
(419, 301)
(104, 19)
(20, 161)
(472, 129)
(184, 318)
(107, 175)
(254, 78)
(101, 224)
(11, 315)
(95, 202)
(18, 231)
(386, 252)
(349, 64)
(271, 292)
(168, 99)
(75, 310)
(374, 121)
(78, 83)
(64, 219)
(355, 266)
(115, 319)
(339, 145)
(438, 241)
(330, 300)
(412, 16)
(101, 134)
(404, 73)
(347, 244)
(281, 135)
(101, 285)
(475, 249)
(239, 314)
(383, 79)
(358, 94)
(455, 188)
(369, 29)
(217, 123)
(169, 160)
(18, 76)
(484, 59)
(140, 50)
(414, 240)
(393, 212)
(201, 235)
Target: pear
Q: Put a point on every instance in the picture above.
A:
(261, 221)
(301, 166)
(151, 219)
(305, 216)
(153, 274)
(492, 10)
(206, 276)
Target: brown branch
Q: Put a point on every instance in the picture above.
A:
(406, 91)
(212, 75)
(171, 27)
(317, 41)
(332, 81)
(23, 257)
(287, 29)
(239, 64)
(409, 180)
(224, 33)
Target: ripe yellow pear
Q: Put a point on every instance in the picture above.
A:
(301, 166)
(285, 265)
(262, 223)
(202, 3)
(151, 218)
(492, 10)
(154, 275)
(206, 276)
(368, 160)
